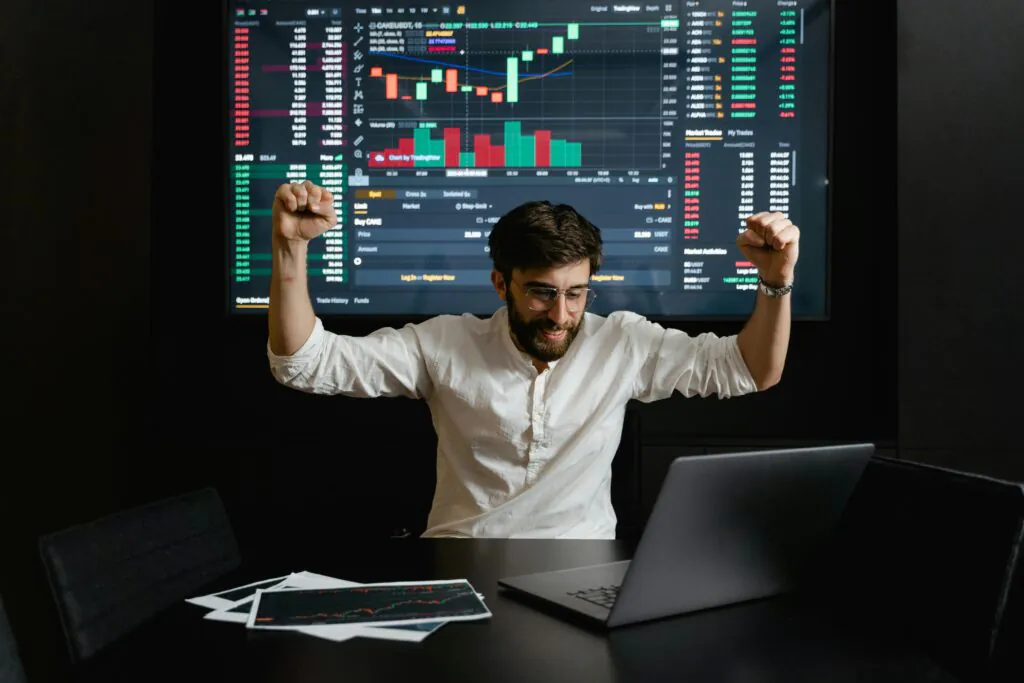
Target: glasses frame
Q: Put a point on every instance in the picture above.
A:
(589, 294)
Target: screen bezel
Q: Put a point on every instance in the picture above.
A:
(396, 320)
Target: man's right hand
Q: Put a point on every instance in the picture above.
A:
(302, 211)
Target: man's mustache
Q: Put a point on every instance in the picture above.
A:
(548, 326)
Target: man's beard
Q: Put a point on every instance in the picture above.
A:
(529, 334)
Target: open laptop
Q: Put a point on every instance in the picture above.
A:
(725, 529)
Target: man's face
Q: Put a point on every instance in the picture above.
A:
(545, 334)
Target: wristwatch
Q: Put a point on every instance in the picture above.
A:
(773, 292)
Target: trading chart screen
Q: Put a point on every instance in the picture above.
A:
(666, 124)
(375, 604)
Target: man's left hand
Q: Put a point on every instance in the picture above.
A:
(771, 243)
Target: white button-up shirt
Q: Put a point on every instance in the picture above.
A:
(521, 453)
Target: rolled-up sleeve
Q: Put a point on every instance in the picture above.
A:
(389, 362)
(702, 365)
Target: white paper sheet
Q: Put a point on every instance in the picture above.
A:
(232, 613)
(485, 614)
(219, 601)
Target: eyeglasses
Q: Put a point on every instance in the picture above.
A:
(544, 298)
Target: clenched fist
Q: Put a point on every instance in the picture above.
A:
(771, 243)
(302, 211)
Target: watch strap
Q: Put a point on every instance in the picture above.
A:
(769, 290)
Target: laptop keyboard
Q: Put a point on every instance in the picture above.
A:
(603, 596)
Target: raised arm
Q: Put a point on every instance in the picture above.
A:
(771, 243)
(305, 356)
(750, 361)
(300, 213)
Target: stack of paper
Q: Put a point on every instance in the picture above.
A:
(337, 610)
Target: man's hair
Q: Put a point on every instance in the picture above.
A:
(540, 234)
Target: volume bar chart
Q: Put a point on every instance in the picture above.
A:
(424, 150)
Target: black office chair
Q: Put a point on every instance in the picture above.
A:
(111, 575)
(412, 491)
(1007, 653)
(11, 670)
(927, 556)
(626, 468)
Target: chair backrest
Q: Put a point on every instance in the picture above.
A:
(411, 490)
(626, 479)
(1008, 650)
(11, 670)
(111, 575)
(927, 555)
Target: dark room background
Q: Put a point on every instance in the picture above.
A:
(125, 381)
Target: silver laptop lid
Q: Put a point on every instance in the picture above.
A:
(733, 527)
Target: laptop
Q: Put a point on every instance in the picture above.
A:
(725, 529)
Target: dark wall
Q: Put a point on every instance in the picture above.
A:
(961, 312)
(75, 108)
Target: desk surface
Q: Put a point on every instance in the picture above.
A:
(765, 641)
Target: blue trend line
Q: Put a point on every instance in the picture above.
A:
(466, 68)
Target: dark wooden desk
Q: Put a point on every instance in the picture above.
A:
(766, 641)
